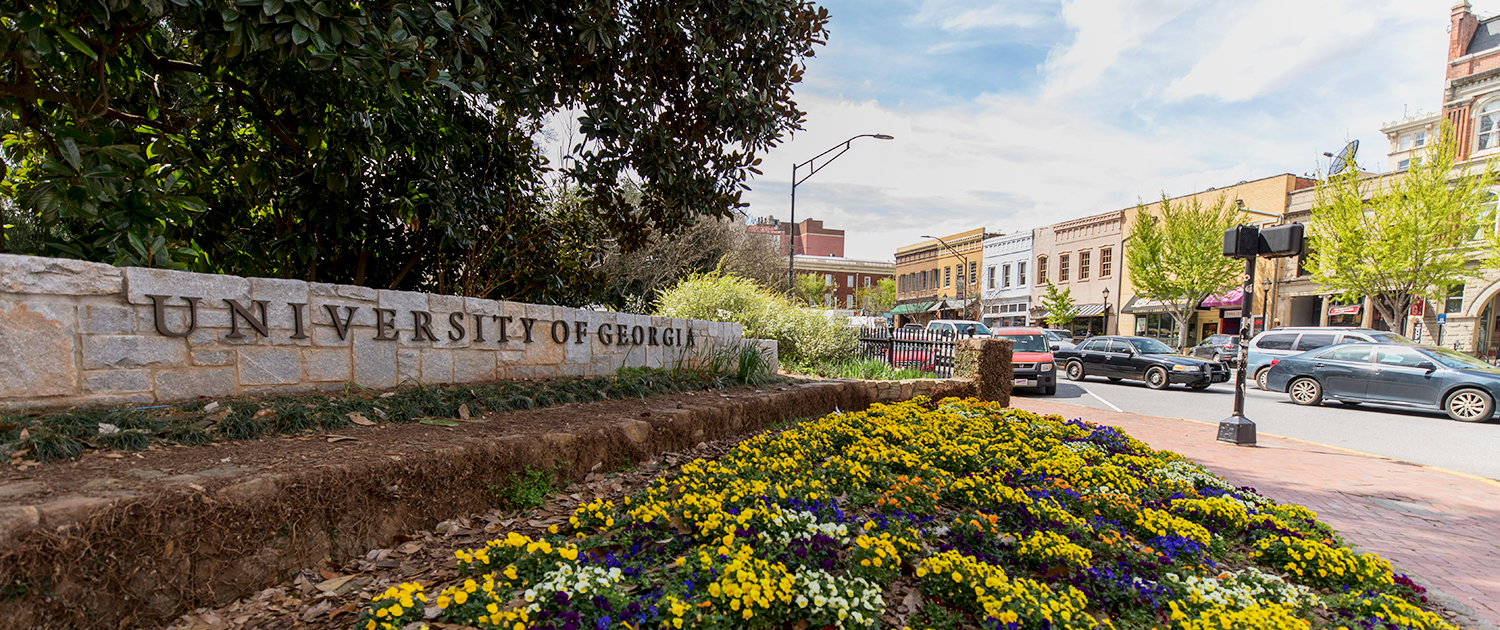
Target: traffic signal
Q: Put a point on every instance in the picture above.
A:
(1248, 241)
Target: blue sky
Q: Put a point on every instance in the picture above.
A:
(1015, 114)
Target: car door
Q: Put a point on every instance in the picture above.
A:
(1345, 370)
(1123, 361)
(1094, 353)
(1396, 377)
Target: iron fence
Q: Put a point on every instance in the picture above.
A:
(919, 348)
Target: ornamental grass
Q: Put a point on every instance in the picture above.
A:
(955, 514)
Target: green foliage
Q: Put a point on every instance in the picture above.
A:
(866, 369)
(636, 279)
(803, 335)
(388, 145)
(1403, 236)
(811, 288)
(1060, 306)
(524, 491)
(1178, 257)
(877, 299)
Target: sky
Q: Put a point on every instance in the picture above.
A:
(1016, 114)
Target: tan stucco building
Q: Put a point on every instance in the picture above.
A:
(1083, 256)
(934, 281)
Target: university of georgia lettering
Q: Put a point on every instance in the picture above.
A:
(419, 326)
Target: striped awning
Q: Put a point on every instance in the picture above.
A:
(1081, 310)
(908, 309)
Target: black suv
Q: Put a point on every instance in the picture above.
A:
(1138, 358)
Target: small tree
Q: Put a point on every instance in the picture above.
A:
(811, 288)
(877, 299)
(1178, 258)
(1060, 306)
(1409, 236)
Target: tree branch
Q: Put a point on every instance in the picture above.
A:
(264, 108)
(34, 93)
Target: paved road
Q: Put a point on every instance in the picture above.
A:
(1422, 437)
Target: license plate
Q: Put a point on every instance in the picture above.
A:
(1021, 382)
(1221, 378)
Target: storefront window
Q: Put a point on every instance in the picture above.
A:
(1455, 301)
(1161, 327)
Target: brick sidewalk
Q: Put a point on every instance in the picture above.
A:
(1440, 527)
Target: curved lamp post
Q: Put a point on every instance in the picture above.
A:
(1265, 298)
(812, 169)
(962, 272)
(1106, 311)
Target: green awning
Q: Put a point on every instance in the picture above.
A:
(908, 309)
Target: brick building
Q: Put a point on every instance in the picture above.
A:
(846, 277)
(812, 238)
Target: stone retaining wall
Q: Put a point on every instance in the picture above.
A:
(74, 332)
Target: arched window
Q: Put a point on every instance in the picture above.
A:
(1489, 127)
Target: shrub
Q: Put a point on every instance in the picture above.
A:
(803, 335)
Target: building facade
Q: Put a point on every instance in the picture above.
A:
(845, 277)
(1005, 278)
(1085, 257)
(939, 278)
(1259, 202)
(813, 239)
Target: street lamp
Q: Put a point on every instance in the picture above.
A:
(1106, 311)
(962, 293)
(1265, 297)
(791, 250)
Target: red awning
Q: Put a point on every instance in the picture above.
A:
(1229, 298)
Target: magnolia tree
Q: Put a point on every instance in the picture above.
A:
(1178, 256)
(1409, 235)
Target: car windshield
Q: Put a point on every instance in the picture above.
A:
(1052, 336)
(1027, 343)
(1144, 345)
(972, 330)
(1457, 360)
(1390, 337)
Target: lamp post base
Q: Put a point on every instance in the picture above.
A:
(1237, 430)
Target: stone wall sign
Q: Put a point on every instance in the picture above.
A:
(75, 332)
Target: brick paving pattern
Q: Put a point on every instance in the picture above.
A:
(1440, 527)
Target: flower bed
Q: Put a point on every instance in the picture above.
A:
(961, 514)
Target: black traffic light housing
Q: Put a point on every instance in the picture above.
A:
(1247, 241)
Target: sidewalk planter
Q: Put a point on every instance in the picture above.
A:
(998, 517)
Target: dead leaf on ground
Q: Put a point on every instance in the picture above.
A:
(340, 438)
(360, 419)
(409, 548)
(463, 411)
(328, 575)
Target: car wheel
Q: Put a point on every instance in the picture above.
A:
(1305, 391)
(1049, 390)
(1075, 371)
(1115, 379)
(1470, 405)
(1260, 379)
(1156, 378)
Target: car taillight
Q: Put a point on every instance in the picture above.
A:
(1274, 362)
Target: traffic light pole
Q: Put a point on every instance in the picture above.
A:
(1237, 429)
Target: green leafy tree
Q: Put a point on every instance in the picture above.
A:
(878, 298)
(1177, 257)
(1061, 309)
(388, 145)
(811, 288)
(1404, 236)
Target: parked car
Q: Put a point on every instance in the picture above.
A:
(1399, 374)
(1063, 333)
(1031, 359)
(1222, 348)
(1139, 358)
(958, 328)
(1058, 342)
(1285, 342)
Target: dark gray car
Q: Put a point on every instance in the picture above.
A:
(1390, 374)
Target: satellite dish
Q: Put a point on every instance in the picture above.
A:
(1344, 159)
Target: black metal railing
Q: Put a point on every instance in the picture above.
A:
(919, 348)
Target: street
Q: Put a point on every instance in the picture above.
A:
(1418, 436)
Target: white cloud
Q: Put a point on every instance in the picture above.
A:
(1106, 29)
(954, 15)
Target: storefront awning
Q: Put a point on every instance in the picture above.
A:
(1343, 309)
(1139, 304)
(1227, 299)
(908, 309)
(940, 306)
(1080, 310)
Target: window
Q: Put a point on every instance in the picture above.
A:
(1276, 342)
(1404, 357)
(1404, 143)
(1403, 165)
(1305, 259)
(867, 282)
(1106, 261)
(974, 272)
(1021, 273)
(1419, 139)
(1062, 268)
(849, 282)
(827, 279)
(1005, 282)
(851, 301)
(992, 277)
(1354, 352)
(1312, 341)
(1455, 301)
(1083, 264)
(947, 277)
(1489, 126)
(1041, 268)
